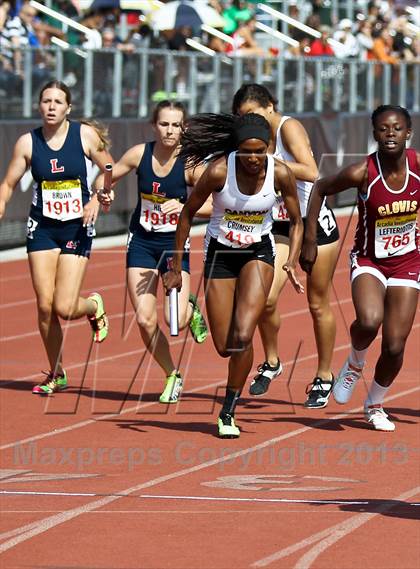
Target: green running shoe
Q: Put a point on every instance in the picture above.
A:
(99, 321)
(172, 389)
(227, 427)
(198, 325)
(52, 384)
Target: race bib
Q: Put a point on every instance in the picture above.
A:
(151, 216)
(62, 200)
(280, 211)
(395, 236)
(240, 230)
(327, 221)
(30, 227)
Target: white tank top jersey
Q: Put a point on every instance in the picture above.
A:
(239, 220)
(303, 188)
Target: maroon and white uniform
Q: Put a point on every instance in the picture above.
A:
(387, 238)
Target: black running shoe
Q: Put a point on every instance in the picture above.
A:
(318, 393)
(261, 382)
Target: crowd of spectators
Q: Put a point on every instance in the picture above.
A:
(380, 30)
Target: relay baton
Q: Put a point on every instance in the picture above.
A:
(107, 183)
(173, 312)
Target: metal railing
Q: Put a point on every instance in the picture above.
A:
(111, 83)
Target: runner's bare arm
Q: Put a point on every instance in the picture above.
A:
(353, 176)
(212, 180)
(128, 162)
(19, 163)
(286, 181)
(296, 141)
(194, 174)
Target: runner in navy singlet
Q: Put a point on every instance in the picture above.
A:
(239, 261)
(385, 260)
(163, 181)
(290, 143)
(61, 221)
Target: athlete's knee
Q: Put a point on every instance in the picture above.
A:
(393, 348)
(242, 339)
(45, 308)
(222, 350)
(147, 322)
(370, 322)
(64, 308)
(270, 306)
(317, 308)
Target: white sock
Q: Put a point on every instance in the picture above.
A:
(357, 358)
(376, 394)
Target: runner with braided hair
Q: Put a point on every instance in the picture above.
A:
(239, 249)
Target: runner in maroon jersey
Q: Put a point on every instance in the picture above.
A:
(385, 259)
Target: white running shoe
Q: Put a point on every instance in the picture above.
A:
(376, 416)
(346, 382)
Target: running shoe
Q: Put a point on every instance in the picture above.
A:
(198, 325)
(53, 383)
(172, 389)
(346, 382)
(261, 382)
(318, 393)
(227, 427)
(376, 416)
(99, 321)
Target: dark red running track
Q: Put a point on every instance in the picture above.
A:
(103, 476)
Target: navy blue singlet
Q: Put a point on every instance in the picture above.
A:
(47, 165)
(148, 183)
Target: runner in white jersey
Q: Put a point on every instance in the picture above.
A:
(239, 262)
(290, 143)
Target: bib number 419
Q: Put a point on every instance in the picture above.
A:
(239, 238)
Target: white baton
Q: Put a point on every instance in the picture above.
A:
(173, 312)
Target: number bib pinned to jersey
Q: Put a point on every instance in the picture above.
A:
(395, 236)
(240, 230)
(280, 212)
(152, 218)
(62, 200)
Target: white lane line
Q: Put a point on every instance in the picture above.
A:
(171, 497)
(20, 303)
(325, 538)
(375, 503)
(140, 407)
(28, 531)
(136, 408)
(130, 312)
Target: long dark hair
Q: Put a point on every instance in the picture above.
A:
(209, 136)
(253, 92)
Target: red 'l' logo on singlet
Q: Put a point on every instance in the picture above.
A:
(155, 189)
(54, 168)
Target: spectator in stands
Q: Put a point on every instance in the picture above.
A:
(383, 48)
(303, 49)
(9, 80)
(238, 11)
(320, 46)
(245, 43)
(344, 35)
(322, 11)
(95, 22)
(365, 40)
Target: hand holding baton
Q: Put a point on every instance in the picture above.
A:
(173, 312)
(107, 184)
